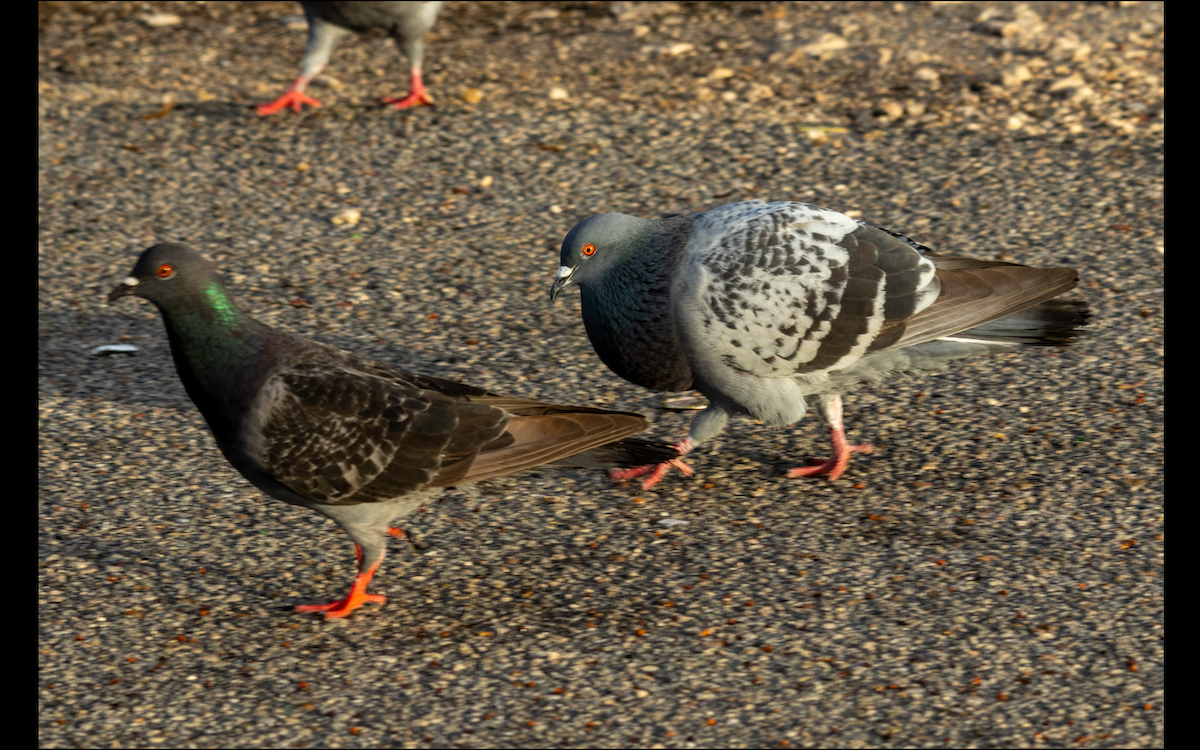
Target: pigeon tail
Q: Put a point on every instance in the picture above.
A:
(625, 453)
(1054, 322)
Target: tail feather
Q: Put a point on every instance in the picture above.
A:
(1054, 322)
(623, 453)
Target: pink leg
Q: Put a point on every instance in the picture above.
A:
(416, 93)
(293, 97)
(836, 464)
(656, 471)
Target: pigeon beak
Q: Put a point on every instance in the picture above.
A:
(127, 287)
(561, 281)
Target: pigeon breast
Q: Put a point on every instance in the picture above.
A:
(629, 315)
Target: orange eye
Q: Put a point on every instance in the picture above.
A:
(589, 249)
(166, 271)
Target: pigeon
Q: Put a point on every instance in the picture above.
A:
(328, 22)
(761, 305)
(346, 436)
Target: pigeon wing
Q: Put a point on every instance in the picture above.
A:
(340, 429)
(784, 289)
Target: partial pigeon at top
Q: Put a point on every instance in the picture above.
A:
(346, 436)
(760, 305)
(328, 22)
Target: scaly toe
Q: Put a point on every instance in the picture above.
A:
(823, 467)
(409, 101)
(656, 472)
(293, 99)
(342, 607)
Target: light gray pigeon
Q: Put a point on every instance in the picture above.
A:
(348, 437)
(760, 305)
(328, 22)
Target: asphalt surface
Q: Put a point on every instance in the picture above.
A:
(991, 577)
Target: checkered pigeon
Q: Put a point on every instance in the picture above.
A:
(761, 306)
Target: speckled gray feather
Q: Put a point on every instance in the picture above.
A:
(764, 304)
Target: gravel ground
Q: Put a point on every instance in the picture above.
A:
(992, 577)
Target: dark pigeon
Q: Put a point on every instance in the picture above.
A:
(348, 437)
(761, 305)
(328, 22)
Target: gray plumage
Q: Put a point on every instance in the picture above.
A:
(761, 305)
(328, 22)
(351, 438)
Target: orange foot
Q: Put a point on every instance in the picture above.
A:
(343, 607)
(835, 465)
(413, 98)
(416, 93)
(399, 534)
(292, 98)
(656, 471)
(358, 595)
(841, 449)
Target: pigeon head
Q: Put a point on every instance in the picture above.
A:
(595, 245)
(183, 284)
(170, 274)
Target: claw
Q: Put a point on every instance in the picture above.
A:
(835, 464)
(343, 607)
(292, 98)
(656, 471)
(358, 595)
(416, 94)
(409, 101)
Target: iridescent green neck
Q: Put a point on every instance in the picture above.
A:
(227, 312)
(211, 341)
(208, 332)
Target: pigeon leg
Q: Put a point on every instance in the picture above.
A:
(836, 464)
(322, 38)
(357, 597)
(656, 471)
(416, 93)
(293, 97)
